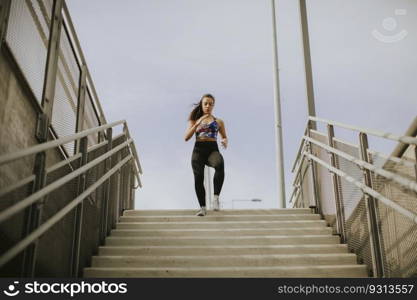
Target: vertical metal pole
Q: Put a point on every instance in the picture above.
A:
(134, 180)
(415, 156)
(132, 185)
(106, 188)
(125, 188)
(33, 217)
(307, 61)
(52, 59)
(81, 104)
(301, 186)
(78, 220)
(129, 171)
(4, 19)
(207, 180)
(317, 204)
(34, 213)
(340, 210)
(129, 184)
(372, 213)
(121, 184)
(280, 153)
(118, 204)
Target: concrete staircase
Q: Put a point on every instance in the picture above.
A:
(229, 243)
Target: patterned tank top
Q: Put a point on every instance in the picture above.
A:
(209, 130)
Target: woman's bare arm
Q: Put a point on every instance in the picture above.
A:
(222, 131)
(192, 126)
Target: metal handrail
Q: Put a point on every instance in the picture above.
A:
(387, 174)
(6, 158)
(138, 167)
(116, 191)
(366, 189)
(9, 212)
(299, 150)
(386, 135)
(53, 168)
(63, 163)
(11, 253)
(397, 160)
(17, 185)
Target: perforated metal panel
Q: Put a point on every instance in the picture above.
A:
(64, 113)
(29, 25)
(90, 119)
(325, 185)
(399, 234)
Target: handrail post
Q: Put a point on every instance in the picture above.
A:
(33, 216)
(81, 104)
(372, 213)
(127, 170)
(307, 60)
(78, 218)
(4, 19)
(117, 194)
(301, 184)
(121, 188)
(131, 187)
(340, 211)
(51, 70)
(128, 185)
(317, 206)
(106, 188)
(34, 213)
(415, 165)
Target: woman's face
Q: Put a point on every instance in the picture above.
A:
(208, 105)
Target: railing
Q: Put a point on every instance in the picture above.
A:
(103, 173)
(48, 228)
(369, 198)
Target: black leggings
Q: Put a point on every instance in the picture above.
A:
(207, 153)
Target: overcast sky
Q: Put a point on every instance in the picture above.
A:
(151, 59)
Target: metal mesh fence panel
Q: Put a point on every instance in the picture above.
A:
(29, 25)
(353, 201)
(399, 243)
(60, 236)
(94, 174)
(325, 185)
(399, 234)
(66, 92)
(306, 180)
(90, 119)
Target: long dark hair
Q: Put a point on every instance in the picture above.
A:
(197, 112)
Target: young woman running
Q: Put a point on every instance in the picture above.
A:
(205, 126)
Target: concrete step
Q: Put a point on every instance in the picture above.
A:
(223, 260)
(171, 212)
(238, 240)
(213, 217)
(288, 271)
(221, 250)
(220, 232)
(221, 224)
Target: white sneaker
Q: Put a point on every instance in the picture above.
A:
(216, 204)
(202, 212)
